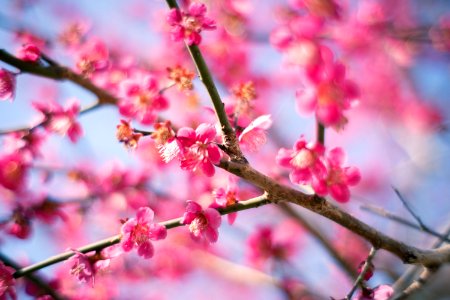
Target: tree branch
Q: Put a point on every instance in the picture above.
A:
(366, 267)
(243, 205)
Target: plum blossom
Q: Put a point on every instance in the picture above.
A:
(13, 171)
(85, 267)
(304, 160)
(325, 174)
(254, 135)
(188, 25)
(203, 223)
(7, 85)
(92, 56)
(61, 120)
(125, 134)
(29, 52)
(226, 197)
(338, 178)
(7, 282)
(139, 231)
(195, 149)
(141, 98)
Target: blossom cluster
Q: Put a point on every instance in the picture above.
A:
(324, 172)
(195, 149)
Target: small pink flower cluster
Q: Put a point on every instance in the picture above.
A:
(141, 98)
(29, 52)
(7, 85)
(325, 173)
(203, 223)
(140, 231)
(7, 282)
(61, 120)
(326, 90)
(195, 149)
(226, 197)
(188, 25)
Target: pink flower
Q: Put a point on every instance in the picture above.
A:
(85, 267)
(305, 160)
(29, 52)
(329, 93)
(7, 85)
(137, 232)
(254, 135)
(13, 171)
(61, 120)
(381, 292)
(7, 282)
(21, 224)
(203, 224)
(226, 197)
(188, 25)
(197, 148)
(337, 179)
(92, 56)
(141, 99)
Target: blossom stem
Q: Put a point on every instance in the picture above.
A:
(320, 133)
(360, 278)
(231, 142)
(97, 246)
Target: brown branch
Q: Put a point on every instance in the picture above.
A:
(278, 192)
(417, 284)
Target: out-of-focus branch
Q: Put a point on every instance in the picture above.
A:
(418, 284)
(382, 212)
(58, 72)
(360, 278)
(324, 241)
(243, 205)
(33, 278)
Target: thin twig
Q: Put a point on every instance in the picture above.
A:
(320, 133)
(410, 210)
(384, 213)
(360, 278)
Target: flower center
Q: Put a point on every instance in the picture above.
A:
(303, 159)
(198, 225)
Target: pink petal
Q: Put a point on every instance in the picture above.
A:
(145, 215)
(207, 168)
(213, 216)
(192, 211)
(211, 234)
(300, 176)
(205, 133)
(232, 218)
(284, 157)
(157, 232)
(7, 85)
(213, 153)
(340, 192)
(146, 250)
(306, 100)
(336, 156)
(353, 175)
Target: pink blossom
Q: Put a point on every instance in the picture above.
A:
(305, 160)
(338, 178)
(137, 232)
(203, 223)
(21, 224)
(381, 292)
(197, 148)
(141, 98)
(13, 171)
(7, 282)
(226, 197)
(92, 56)
(254, 135)
(188, 25)
(7, 85)
(85, 267)
(26, 142)
(328, 93)
(29, 52)
(61, 120)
